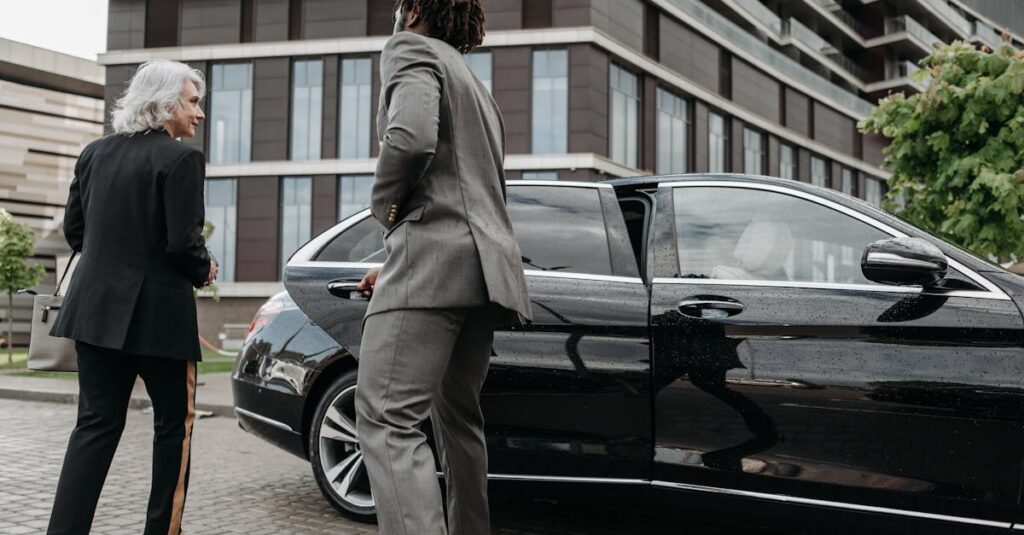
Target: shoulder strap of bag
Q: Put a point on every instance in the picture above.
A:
(67, 268)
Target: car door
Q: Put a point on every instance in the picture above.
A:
(321, 276)
(566, 396)
(781, 372)
(569, 395)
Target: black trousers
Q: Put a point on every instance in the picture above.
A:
(105, 379)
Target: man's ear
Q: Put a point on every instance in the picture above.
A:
(414, 16)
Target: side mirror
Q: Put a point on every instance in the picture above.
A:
(905, 262)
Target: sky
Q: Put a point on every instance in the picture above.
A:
(77, 27)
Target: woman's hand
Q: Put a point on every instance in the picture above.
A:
(369, 281)
(214, 268)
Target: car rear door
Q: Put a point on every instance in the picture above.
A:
(569, 395)
(321, 275)
(781, 372)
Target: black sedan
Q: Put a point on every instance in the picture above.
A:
(741, 338)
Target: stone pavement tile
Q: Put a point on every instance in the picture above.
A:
(239, 485)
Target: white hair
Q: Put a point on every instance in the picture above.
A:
(153, 96)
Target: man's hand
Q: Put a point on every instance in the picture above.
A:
(369, 281)
(214, 268)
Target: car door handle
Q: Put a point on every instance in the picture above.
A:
(710, 308)
(346, 289)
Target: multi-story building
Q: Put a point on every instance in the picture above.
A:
(589, 89)
(51, 106)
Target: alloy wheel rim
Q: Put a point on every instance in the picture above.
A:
(341, 458)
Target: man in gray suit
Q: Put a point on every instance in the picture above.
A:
(453, 274)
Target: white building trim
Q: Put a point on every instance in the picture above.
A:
(367, 45)
(513, 162)
(244, 289)
(497, 39)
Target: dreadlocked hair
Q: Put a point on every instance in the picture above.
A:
(459, 23)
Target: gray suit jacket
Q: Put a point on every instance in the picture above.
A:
(439, 188)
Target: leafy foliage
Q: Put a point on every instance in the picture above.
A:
(956, 150)
(16, 244)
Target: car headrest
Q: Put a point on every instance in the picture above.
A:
(764, 246)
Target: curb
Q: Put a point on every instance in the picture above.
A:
(51, 396)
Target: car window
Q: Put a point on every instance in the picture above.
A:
(749, 234)
(362, 242)
(634, 214)
(560, 229)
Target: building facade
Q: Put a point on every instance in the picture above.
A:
(51, 106)
(589, 89)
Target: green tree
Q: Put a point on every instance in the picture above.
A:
(956, 150)
(16, 244)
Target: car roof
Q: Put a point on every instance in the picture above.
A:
(654, 180)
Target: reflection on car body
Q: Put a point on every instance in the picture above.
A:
(706, 334)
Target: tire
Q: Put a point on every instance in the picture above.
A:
(335, 455)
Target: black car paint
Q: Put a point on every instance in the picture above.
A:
(947, 446)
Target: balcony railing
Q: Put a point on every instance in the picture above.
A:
(763, 13)
(772, 58)
(798, 31)
(983, 33)
(900, 69)
(954, 18)
(916, 29)
(849, 65)
(836, 9)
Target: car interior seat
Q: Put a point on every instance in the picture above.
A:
(760, 253)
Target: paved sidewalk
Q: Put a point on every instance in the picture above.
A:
(241, 485)
(213, 391)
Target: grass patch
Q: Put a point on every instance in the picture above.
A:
(20, 357)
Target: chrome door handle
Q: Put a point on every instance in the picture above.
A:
(710, 308)
(346, 289)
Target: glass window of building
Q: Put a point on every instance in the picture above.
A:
(873, 191)
(307, 108)
(550, 101)
(625, 116)
(540, 175)
(753, 152)
(230, 112)
(481, 63)
(819, 172)
(353, 194)
(673, 133)
(296, 214)
(849, 185)
(787, 162)
(221, 198)
(718, 144)
(354, 111)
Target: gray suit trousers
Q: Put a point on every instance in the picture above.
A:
(416, 363)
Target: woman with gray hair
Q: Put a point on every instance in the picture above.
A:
(135, 214)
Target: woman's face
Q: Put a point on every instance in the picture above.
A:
(187, 113)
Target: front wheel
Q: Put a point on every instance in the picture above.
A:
(335, 454)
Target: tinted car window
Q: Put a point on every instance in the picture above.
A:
(746, 234)
(362, 242)
(560, 229)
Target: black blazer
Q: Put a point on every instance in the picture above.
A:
(135, 212)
